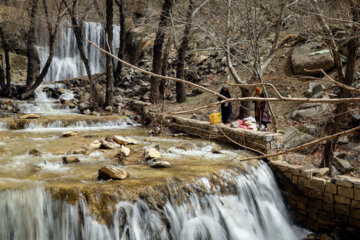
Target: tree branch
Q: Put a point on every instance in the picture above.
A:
(347, 132)
(156, 75)
(332, 80)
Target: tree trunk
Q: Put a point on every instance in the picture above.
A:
(2, 78)
(109, 63)
(180, 87)
(164, 66)
(157, 52)
(6, 87)
(339, 121)
(244, 108)
(117, 73)
(31, 51)
(44, 71)
(79, 41)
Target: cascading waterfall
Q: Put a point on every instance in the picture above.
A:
(254, 211)
(67, 62)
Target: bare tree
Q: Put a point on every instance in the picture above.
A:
(180, 87)
(339, 122)
(157, 52)
(31, 51)
(52, 30)
(109, 63)
(5, 88)
(77, 28)
(117, 73)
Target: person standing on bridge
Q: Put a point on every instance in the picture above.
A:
(226, 108)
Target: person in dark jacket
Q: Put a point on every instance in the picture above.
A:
(260, 109)
(226, 108)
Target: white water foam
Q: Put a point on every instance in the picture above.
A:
(205, 152)
(77, 126)
(256, 211)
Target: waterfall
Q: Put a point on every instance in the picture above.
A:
(254, 211)
(67, 62)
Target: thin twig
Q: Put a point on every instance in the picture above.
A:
(332, 80)
(259, 84)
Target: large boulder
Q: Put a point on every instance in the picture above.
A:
(294, 138)
(341, 163)
(112, 172)
(309, 56)
(138, 42)
(311, 111)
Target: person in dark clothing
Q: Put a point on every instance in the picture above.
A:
(260, 109)
(226, 108)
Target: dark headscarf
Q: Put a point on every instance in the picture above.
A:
(225, 94)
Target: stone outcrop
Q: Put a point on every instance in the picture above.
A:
(317, 203)
(309, 56)
(293, 138)
(310, 111)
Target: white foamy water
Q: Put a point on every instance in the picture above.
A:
(254, 211)
(77, 126)
(205, 152)
(46, 106)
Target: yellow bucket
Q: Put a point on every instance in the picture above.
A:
(215, 118)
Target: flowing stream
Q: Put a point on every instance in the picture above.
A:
(36, 187)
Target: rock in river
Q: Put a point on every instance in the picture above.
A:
(71, 159)
(112, 172)
(34, 152)
(30, 116)
(69, 134)
(159, 164)
(152, 153)
(186, 146)
(125, 140)
(108, 145)
(125, 151)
